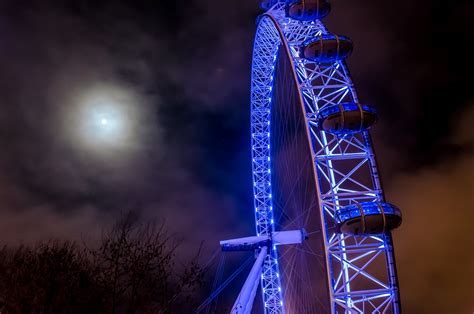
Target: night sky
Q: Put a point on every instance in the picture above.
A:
(109, 106)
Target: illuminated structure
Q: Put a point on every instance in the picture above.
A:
(323, 242)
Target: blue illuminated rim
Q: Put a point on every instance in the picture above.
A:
(336, 108)
(369, 208)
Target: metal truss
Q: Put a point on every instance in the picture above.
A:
(344, 167)
(267, 43)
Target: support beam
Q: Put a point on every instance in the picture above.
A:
(244, 302)
(289, 237)
(255, 242)
(245, 244)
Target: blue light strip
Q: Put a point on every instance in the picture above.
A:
(369, 208)
(263, 67)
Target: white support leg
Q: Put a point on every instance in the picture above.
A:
(244, 302)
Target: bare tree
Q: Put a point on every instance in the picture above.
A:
(51, 277)
(136, 265)
(134, 269)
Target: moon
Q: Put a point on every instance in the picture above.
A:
(106, 119)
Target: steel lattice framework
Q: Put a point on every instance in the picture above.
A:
(354, 262)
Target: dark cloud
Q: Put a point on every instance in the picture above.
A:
(54, 182)
(183, 71)
(437, 204)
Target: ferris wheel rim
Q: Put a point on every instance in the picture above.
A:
(283, 42)
(301, 105)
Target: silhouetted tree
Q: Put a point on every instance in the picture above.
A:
(51, 277)
(136, 267)
(133, 270)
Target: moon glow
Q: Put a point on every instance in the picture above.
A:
(106, 119)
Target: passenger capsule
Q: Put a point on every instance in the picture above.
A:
(307, 10)
(368, 218)
(346, 118)
(327, 48)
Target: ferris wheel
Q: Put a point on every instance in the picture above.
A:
(323, 241)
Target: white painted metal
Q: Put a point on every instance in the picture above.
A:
(244, 241)
(277, 238)
(244, 302)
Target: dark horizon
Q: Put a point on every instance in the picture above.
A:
(176, 78)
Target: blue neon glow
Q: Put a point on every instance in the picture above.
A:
(336, 108)
(325, 37)
(368, 208)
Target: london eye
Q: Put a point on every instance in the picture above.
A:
(323, 239)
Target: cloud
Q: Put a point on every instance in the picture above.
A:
(53, 57)
(42, 223)
(433, 245)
